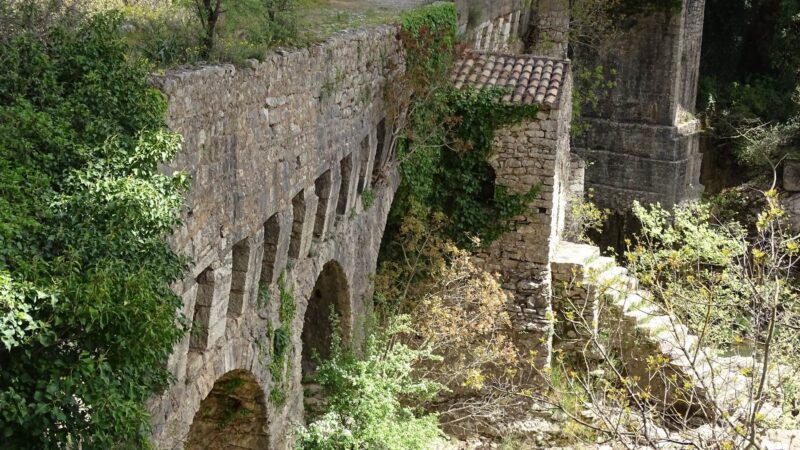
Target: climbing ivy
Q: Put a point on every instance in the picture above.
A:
(281, 341)
(447, 137)
(466, 190)
(418, 107)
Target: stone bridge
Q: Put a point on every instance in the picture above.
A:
(290, 182)
(292, 185)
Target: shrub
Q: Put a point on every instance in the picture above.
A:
(87, 318)
(166, 36)
(443, 137)
(459, 313)
(687, 259)
(738, 296)
(368, 398)
(584, 217)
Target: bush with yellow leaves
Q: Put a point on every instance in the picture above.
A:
(458, 312)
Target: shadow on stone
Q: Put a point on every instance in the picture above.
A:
(232, 416)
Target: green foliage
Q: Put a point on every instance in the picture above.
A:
(367, 198)
(262, 299)
(428, 36)
(749, 57)
(736, 291)
(465, 188)
(166, 36)
(768, 145)
(195, 30)
(447, 138)
(595, 25)
(750, 66)
(591, 86)
(735, 204)
(455, 178)
(690, 263)
(171, 33)
(281, 342)
(764, 146)
(249, 27)
(584, 217)
(287, 305)
(368, 398)
(87, 318)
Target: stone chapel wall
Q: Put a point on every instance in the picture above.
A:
(533, 153)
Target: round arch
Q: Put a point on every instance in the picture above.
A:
(328, 303)
(232, 417)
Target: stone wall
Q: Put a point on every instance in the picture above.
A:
(533, 153)
(549, 28)
(493, 26)
(657, 62)
(473, 12)
(641, 141)
(279, 153)
(648, 163)
(575, 189)
(690, 44)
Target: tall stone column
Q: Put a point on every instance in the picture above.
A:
(550, 28)
(641, 142)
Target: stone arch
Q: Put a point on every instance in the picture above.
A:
(232, 417)
(331, 293)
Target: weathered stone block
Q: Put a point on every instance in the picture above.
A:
(791, 176)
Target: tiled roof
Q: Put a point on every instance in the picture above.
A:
(531, 79)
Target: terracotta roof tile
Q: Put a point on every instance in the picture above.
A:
(530, 79)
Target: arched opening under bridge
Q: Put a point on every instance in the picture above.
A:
(232, 417)
(327, 315)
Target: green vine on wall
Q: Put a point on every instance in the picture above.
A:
(280, 339)
(466, 191)
(447, 138)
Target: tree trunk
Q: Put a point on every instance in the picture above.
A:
(211, 10)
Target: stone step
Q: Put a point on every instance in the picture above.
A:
(633, 283)
(677, 341)
(642, 314)
(674, 345)
(642, 323)
(614, 277)
(598, 266)
(570, 253)
(629, 302)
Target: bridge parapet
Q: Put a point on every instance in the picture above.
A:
(280, 154)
